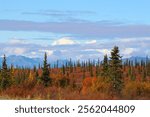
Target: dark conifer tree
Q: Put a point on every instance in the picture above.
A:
(97, 71)
(57, 64)
(5, 75)
(91, 70)
(78, 63)
(105, 67)
(46, 80)
(39, 66)
(116, 75)
(37, 75)
(84, 70)
(34, 68)
(70, 66)
(63, 69)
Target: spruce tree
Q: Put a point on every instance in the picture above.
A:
(91, 70)
(133, 74)
(116, 74)
(97, 71)
(63, 69)
(5, 76)
(84, 70)
(37, 75)
(105, 67)
(46, 80)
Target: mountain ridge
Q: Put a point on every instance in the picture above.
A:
(23, 61)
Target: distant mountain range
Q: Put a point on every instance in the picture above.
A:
(137, 59)
(30, 62)
(22, 61)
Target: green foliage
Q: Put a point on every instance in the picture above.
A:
(97, 71)
(5, 75)
(116, 74)
(84, 70)
(91, 71)
(45, 79)
(132, 74)
(107, 79)
(105, 66)
(63, 82)
(63, 70)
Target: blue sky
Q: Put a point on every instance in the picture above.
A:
(89, 29)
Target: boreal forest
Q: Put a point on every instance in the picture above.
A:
(109, 79)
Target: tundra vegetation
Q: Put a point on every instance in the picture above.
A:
(108, 79)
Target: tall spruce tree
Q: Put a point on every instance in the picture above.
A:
(46, 80)
(116, 74)
(105, 67)
(5, 76)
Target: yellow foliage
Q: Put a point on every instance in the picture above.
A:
(31, 76)
(101, 86)
(95, 85)
(136, 90)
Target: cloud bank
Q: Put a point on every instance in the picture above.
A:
(65, 48)
(100, 29)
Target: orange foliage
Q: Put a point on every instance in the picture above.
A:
(136, 90)
(73, 86)
(87, 84)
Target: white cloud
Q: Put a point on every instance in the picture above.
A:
(49, 52)
(91, 42)
(129, 40)
(17, 50)
(90, 50)
(33, 53)
(17, 41)
(64, 41)
(127, 52)
(104, 51)
(83, 49)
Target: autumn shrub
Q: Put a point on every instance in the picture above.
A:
(136, 90)
(96, 87)
(86, 85)
(146, 90)
(61, 82)
(101, 85)
(131, 89)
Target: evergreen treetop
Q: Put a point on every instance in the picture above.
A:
(46, 80)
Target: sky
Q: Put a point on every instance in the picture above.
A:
(78, 29)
